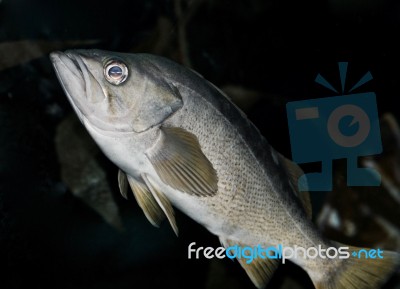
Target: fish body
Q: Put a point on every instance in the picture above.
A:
(180, 142)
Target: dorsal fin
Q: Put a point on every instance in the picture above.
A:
(294, 172)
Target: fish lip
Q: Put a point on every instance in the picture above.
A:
(78, 65)
(70, 72)
(74, 77)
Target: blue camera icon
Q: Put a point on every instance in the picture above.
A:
(324, 129)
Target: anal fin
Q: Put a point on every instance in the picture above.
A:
(259, 270)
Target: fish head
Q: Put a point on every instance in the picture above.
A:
(116, 92)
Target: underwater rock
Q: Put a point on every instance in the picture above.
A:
(81, 171)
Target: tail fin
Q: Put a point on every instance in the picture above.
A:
(360, 271)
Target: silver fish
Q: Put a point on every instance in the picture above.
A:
(180, 142)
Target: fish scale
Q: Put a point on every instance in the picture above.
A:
(257, 212)
(256, 215)
(179, 142)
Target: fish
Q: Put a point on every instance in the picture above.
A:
(180, 143)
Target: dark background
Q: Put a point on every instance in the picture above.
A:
(269, 51)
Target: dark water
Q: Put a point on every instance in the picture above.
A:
(270, 51)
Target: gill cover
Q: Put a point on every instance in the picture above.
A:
(133, 82)
(155, 105)
(116, 91)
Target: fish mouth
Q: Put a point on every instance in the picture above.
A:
(83, 90)
(72, 73)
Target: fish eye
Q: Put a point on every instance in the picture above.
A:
(116, 72)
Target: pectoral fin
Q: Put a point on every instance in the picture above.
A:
(259, 270)
(180, 163)
(162, 201)
(146, 201)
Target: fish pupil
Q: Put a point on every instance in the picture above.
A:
(115, 72)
